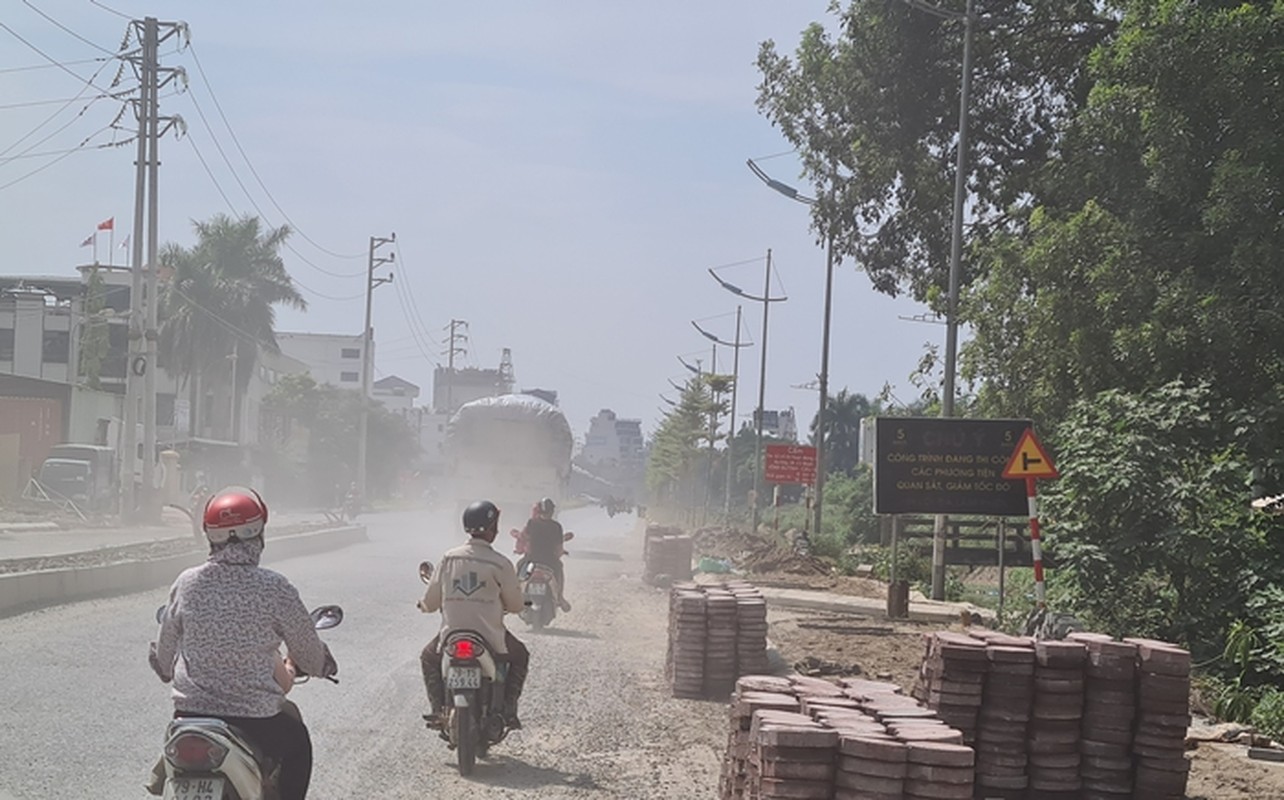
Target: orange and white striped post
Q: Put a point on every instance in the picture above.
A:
(1030, 461)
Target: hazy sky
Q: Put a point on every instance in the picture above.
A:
(558, 174)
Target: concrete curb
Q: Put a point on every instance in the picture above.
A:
(26, 591)
(940, 613)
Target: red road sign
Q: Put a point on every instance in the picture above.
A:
(787, 463)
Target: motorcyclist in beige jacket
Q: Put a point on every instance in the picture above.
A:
(473, 587)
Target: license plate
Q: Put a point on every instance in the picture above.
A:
(194, 789)
(463, 678)
(536, 588)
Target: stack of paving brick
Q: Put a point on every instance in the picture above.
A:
(792, 757)
(951, 679)
(1164, 702)
(720, 642)
(687, 633)
(751, 629)
(1109, 712)
(1058, 712)
(1001, 759)
(667, 551)
(753, 693)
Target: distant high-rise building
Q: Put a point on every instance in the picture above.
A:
(612, 441)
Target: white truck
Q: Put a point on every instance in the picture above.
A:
(512, 450)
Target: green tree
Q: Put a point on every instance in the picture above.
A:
(94, 336)
(1152, 246)
(327, 420)
(1150, 519)
(873, 111)
(676, 446)
(221, 298)
(843, 415)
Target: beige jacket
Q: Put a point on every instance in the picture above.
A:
(473, 588)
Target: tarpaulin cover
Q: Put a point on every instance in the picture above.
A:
(514, 429)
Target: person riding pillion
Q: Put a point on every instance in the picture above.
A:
(544, 545)
(473, 587)
(220, 637)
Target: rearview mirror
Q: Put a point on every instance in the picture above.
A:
(160, 614)
(425, 571)
(325, 617)
(566, 537)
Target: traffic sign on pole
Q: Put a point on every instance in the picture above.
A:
(1030, 461)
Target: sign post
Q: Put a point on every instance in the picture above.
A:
(1030, 461)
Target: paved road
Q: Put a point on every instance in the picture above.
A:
(84, 716)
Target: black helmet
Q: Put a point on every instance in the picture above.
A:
(546, 507)
(481, 517)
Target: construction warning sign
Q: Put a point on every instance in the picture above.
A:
(1029, 459)
(935, 465)
(788, 464)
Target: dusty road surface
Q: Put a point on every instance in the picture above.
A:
(84, 716)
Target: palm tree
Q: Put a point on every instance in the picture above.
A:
(843, 414)
(219, 302)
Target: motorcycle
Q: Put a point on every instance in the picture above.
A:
(208, 759)
(474, 682)
(540, 592)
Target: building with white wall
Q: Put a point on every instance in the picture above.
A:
(331, 358)
(612, 441)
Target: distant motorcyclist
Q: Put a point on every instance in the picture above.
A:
(220, 636)
(544, 545)
(473, 587)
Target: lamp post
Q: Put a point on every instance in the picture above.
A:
(822, 406)
(766, 299)
(968, 18)
(735, 384)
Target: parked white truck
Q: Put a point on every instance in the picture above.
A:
(511, 450)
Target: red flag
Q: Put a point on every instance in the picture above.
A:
(107, 225)
(87, 242)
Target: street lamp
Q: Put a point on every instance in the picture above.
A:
(792, 194)
(968, 18)
(735, 384)
(766, 299)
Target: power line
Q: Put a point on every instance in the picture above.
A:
(55, 62)
(55, 114)
(219, 107)
(234, 210)
(83, 147)
(410, 295)
(213, 138)
(32, 67)
(112, 10)
(65, 29)
(410, 320)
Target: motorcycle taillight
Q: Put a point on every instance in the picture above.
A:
(541, 575)
(192, 751)
(463, 648)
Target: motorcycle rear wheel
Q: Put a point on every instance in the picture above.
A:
(464, 732)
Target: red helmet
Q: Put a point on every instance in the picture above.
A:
(234, 512)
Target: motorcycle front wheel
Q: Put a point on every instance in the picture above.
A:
(464, 732)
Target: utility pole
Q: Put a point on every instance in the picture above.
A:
(762, 399)
(766, 301)
(140, 373)
(373, 262)
(731, 425)
(454, 348)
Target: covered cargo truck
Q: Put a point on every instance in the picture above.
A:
(511, 450)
